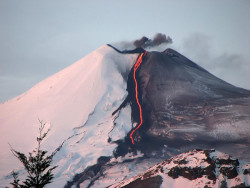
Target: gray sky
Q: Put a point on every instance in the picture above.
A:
(39, 38)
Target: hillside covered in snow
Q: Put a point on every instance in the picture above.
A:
(76, 102)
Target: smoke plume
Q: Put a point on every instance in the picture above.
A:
(158, 39)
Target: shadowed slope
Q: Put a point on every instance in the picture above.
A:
(184, 105)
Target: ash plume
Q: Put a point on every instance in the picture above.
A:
(158, 39)
(141, 42)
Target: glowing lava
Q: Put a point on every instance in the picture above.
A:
(137, 65)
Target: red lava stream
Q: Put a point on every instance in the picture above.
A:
(137, 65)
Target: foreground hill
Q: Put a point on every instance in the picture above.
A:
(196, 168)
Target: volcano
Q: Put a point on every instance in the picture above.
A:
(120, 112)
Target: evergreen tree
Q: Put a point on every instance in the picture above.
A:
(15, 183)
(37, 164)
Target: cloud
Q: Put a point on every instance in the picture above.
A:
(198, 46)
(231, 67)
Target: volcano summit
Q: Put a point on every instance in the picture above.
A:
(121, 112)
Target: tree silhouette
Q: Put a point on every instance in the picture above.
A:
(37, 164)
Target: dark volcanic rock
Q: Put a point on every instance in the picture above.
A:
(184, 107)
(180, 99)
(150, 182)
(189, 173)
(246, 171)
(229, 172)
(92, 172)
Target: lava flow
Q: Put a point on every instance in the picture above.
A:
(137, 65)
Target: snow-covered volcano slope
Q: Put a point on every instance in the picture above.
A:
(78, 100)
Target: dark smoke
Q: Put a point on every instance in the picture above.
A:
(159, 39)
(141, 42)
